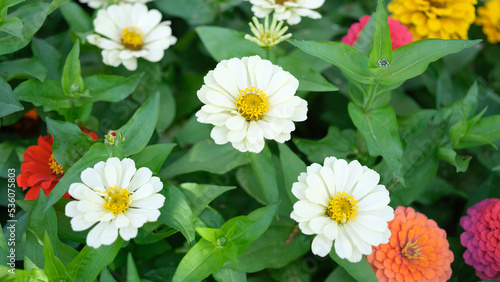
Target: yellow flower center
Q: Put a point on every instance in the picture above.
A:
(132, 38)
(252, 103)
(280, 2)
(411, 250)
(438, 3)
(342, 208)
(117, 200)
(56, 168)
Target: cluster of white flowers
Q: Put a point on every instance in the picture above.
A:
(289, 10)
(126, 32)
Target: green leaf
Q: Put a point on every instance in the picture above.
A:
(352, 62)
(195, 12)
(243, 230)
(229, 275)
(361, 271)
(339, 274)
(265, 171)
(8, 101)
(22, 275)
(111, 88)
(200, 195)
(201, 260)
(43, 221)
(212, 235)
(216, 39)
(89, 262)
(176, 211)
(449, 155)
(167, 107)
(292, 167)
(382, 48)
(98, 152)
(336, 143)
(141, 126)
(366, 37)
(206, 156)
(6, 4)
(153, 156)
(485, 131)
(379, 128)
(76, 17)
(106, 276)
(54, 268)
(23, 68)
(12, 26)
(72, 81)
(70, 143)
(48, 94)
(413, 59)
(49, 56)
(132, 274)
(309, 79)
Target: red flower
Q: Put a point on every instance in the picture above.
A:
(399, 33)
(40, 170)
(482, 238)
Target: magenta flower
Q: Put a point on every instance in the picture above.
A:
(399, 33)
(482, 238)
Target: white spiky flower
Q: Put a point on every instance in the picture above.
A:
(289, 10)
(127, 32)
(343, 203)
(116, 196)
(249, 100)
(267, 36)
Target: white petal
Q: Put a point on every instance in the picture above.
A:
(343, 246)
(341, 170)
(321, 246)
(92, 179)
(318, 223)
(145, 191)
(306, 209)
(366, 184)
(121, 221)
(155, 201)
(128, 232)
(141, 177)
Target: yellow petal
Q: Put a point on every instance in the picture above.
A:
(434, 24)
(418, 18)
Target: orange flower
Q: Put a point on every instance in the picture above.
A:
(417, 250)
(40, 170)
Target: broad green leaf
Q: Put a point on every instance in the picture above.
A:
(132, 273)
(111, 88)
(200, 195)
(281, 244)
(44, 221)
(7, 274)
(249, 182)
(243, 230)
(206, 156)
(153, 156)
(485, 131)
(4, 249)
(414, 123)
(195, 12)
(49, 56)
(106, 276)
(366, 36)
(439, 188)
(420, 164)
(265, 171)
(413, 59)
(77, 18)
(339, 274)
(23, 68)
(454, 112)
(48, 94)
(54, 268)
(98, 152)
(89, 262)
(380, 130)
(212, 235)
(176, 211)
(72, 81)
(201, 260)
(449, 155)
(193, 132)
(12, 26)
(141, 126)
(361, 271)
(167, 107)
(382, 49)
(229, 275)
(309, 79)
(336, 143)
(6, 4)
(8, 101)
(216, 41)
(352, 62)
(292, 167)
(70, 143)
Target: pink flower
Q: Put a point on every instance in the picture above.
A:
(482, 238)
(399, 33)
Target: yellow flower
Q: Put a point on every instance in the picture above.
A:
(489, 17)
(446, 19)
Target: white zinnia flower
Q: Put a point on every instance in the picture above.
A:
(250, 99)
(130, 32)
(95, 4)
(116, 196)
(267, 36)
(289, 10)
(342, 202)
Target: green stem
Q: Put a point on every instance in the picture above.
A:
(372, 92)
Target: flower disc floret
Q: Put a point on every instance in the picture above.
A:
(488, 16)
(342, 203)
(289, 10)
(126, 32)
(249, 100)
(417, 250)
(116, 199)
(445, 19)
(482, 238)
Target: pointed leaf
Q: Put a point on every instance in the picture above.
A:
(382, 49)
(200, 195)
(72, 81)
(54, 268)
(8, 101)
(361, 271)
(265, 171)
(153, 156)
